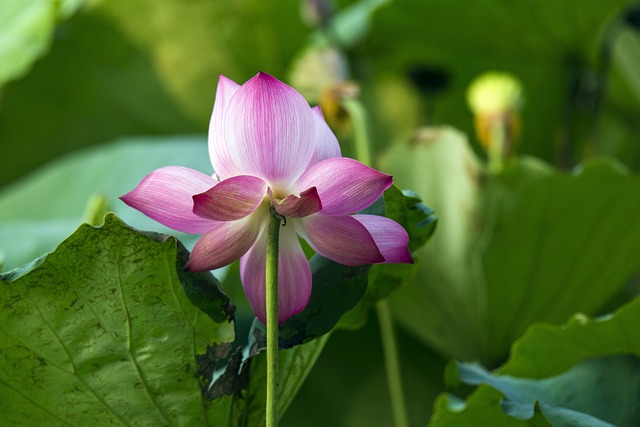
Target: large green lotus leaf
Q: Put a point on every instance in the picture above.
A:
(39, 211)
(528, 244)
(549, 45)
(152, 74)
(601, 354)
(102, 332)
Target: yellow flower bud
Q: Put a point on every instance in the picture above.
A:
(494, 93)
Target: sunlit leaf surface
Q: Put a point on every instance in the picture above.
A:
(101, 332)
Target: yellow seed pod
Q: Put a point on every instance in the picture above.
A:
(331, 102)
(485, 123)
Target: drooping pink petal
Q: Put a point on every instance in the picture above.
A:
(253, 276)
(390, 237)
(294, 276)
(342, 239)
(223, 244)
(222, 163)
(327, 145)
(345, 185)
(298, 207)
(230, 200)
(165, 196)
(269, 130)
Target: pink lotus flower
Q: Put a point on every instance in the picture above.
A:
(268, 147)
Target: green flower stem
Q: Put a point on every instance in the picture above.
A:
(273, 244)
(358, 116)
(392, 364)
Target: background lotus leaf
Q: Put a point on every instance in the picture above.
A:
(578, 353)
(528, 244)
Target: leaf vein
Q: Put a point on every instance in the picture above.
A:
(37, 404)
(73, 365)
(193, 334)
(132, 357)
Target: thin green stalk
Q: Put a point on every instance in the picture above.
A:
(273, 244)
(358, 116)
(392, 364)
(498, 146)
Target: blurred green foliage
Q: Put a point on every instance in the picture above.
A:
(124, 68)
(529, 244)
(49, 204)
(563, 52)
(552, 235)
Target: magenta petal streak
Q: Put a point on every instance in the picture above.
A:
(230, 200)
(269, 130)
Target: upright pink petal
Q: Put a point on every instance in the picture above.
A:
(297, 207)
(230, 200)
(294, 276)
(165, 196)
(269, 131)
(342, 239)
(345, 185)
(390, 237)
(225, 243)
(327, 145)
(222, 163)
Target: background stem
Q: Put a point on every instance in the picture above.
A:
(391, 364)
(358, 117)
(497, 146)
